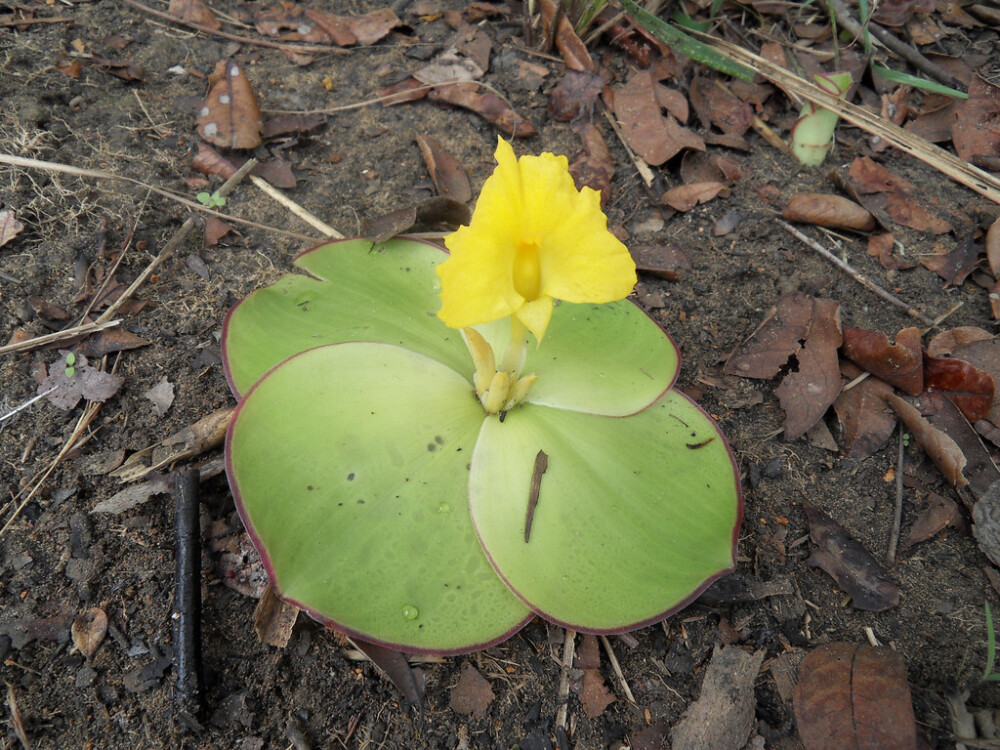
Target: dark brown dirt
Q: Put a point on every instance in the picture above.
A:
(58, 559)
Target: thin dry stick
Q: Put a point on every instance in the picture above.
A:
(5, 415)
(947, 163)
(236, 38)
(871, 286)
(295, 208)
(897, 517)
(50, 338)
(562, 697)
(174, 242)
(617, 668)
(89, 412)
(52, 166)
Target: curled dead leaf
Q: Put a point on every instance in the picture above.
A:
(829, 211)
(968, 387)
(900, 364)
(943, 451)
(686, 197)
(88, 631)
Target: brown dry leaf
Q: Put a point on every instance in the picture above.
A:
(723, 715)
(449, 178)
(939, 515)
(828, 211)
(805, 395)
(900, 364)
(278, 172)
(902, 203)
(195, 11)
(291, 125)
(851, 696)
(215, 230)
(374, 26)
(594, 694)
(210, 161)
(768, 348)
(574, 52)
(992, 247)
(124, 70)
(161, 396)
(686, 197)
(335, 27)
(943, 451)
(230, 117)
(717, 105)
(109, 341)
(986, 523)
(866, 422)
(976, 130)
(844, 559)
(449, 67)
(592, 166)
(880, 246)
(953, 265)
(487, 105)
(576, 93)
(88, 631)
(9, 226)
(968, 387)
(433, 214)
(71, 68)
(980, 470)
(935, 124)
(407, 90)
(663, 261)
(655, 137)
(78, 381)
(472, 695)
(952, 342)
(291, 25)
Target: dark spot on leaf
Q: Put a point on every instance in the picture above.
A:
(361, 502)
(431, 447)
(439, 440)
(702, 444)
(350, 477)
(310, 487)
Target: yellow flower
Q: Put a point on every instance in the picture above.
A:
(533, 238)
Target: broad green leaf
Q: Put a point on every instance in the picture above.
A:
(582, 364)
(389, 294)
(349, 464)
(356, 292)
(635, 515)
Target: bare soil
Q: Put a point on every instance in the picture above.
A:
(58, 559)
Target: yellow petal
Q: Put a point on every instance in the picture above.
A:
(535, 316)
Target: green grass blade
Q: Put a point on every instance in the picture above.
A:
(682, 43)
(920, 83)
(991, 649)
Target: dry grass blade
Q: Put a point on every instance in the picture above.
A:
(15, 717)
(961, 171)
(50, 338)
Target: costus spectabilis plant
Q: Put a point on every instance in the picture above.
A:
(433, 447)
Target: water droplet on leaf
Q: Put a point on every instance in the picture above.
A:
(410, 612)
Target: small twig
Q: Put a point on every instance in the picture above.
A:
(15, 717)
(21, 407)
(235, 37)
(562, 697)
(617, 668)
(50, 338)
(186, 613)
(173, 243)
(849, 270)
(295, 208)
(50, 166)
(843, 16)
(30, 21)
(88, 415)
(897, 516)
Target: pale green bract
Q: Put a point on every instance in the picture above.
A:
(386, 503)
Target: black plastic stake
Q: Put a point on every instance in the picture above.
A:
(186, 613)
